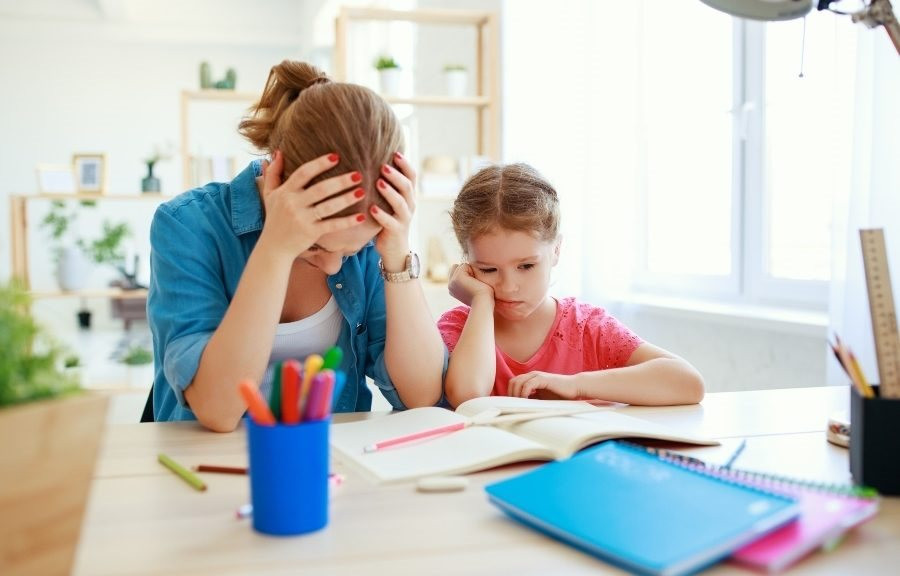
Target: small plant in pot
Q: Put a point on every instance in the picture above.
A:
(73, 254)
(51, 431)
(388, 75)
(456, 79)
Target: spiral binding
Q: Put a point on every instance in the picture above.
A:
(759, 479)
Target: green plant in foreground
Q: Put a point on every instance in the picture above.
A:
(30, 365)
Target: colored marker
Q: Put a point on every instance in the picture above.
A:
(310, 368)
(182, 472)
(275, 394)
(290, 392)
(257, 407)
(332, 358)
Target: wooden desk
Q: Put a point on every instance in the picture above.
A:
(142, 519)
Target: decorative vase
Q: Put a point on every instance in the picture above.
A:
(455, 82)
(72, 269)
(389, 81)
(150, 183)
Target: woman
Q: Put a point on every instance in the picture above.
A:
(280, 262)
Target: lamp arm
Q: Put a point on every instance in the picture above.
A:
(880, 13)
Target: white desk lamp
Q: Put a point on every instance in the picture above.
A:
(873, 14)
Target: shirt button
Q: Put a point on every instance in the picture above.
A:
(338, 285)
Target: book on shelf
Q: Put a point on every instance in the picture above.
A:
(640, 512)
(487, 443)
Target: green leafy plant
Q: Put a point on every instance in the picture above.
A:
(107, 249)
(386, 63)
(454, 67)
(137, 355)
(31, 363)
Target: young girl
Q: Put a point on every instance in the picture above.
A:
(511, 337)
(293, 257)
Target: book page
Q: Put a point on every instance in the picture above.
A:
(568, 434)
(467, 450)
(512, 404)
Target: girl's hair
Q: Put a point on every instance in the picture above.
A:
(513, 197)
(306, 115)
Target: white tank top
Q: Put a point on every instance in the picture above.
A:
(296, 340)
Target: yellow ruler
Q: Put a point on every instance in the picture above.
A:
(881, 306)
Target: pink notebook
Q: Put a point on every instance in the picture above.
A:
(826, 513)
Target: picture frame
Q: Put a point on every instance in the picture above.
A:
(90, 173)
(55, 179)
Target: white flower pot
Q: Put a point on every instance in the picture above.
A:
(389, 81)
(73, 269)
(456, 82)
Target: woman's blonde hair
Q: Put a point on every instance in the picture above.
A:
(306, 115)
(513, 197)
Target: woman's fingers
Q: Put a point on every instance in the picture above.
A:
(400, 205)
(272, 172)
(326, 209)
(309, 170)
(401, 182)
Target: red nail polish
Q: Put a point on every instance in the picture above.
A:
(359, 192)
(386, 169)
(356, 177)
(333, 158)
(381, 185)
(374, 209)
(360, 217)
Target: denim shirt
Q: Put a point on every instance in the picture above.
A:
(200, 242)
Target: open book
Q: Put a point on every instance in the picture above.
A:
(482, 446)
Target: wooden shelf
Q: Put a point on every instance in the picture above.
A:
(90, 293)
(79, 197)
(460, 17)
(474, 102)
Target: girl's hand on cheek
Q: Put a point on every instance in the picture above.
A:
(464, 286)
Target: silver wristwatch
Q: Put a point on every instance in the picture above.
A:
(411, 270)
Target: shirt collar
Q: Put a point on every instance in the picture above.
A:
(246, 205)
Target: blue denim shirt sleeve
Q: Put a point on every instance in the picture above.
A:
(187, 295)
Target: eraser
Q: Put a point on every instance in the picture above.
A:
(442, 484)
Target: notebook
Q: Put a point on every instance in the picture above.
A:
(481, 447)
(641, 512)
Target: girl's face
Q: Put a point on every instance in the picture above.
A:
(517, 266)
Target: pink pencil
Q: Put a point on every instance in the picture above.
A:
(415, 436)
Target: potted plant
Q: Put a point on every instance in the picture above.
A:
(455, 79)
(388, 75)
(50, 431)
(74, 253)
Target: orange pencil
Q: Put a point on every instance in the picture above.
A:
(290, 391)
(257, 407)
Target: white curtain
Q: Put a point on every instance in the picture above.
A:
(872, 199)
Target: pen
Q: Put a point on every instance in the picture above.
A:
(737, 453)
(312, 365)
(332, 358)
(182, 472)
(415, 436)
(220, 469)
(864, 384)
(290, 392)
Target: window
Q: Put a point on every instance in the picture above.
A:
(738, 155)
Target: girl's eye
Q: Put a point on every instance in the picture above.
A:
(312, 249)
(487, 270)
(526, 266)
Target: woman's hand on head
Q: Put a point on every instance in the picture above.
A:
(465, 287)
(297, 214)
(397, 185)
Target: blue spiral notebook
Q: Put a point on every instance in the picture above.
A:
(641, 512)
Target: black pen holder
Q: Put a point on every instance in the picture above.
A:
(875, 441)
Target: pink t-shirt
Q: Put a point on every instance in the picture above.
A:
(583, 338)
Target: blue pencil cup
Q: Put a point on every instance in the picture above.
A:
(289, 477)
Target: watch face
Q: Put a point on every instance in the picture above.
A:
(414, 267)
